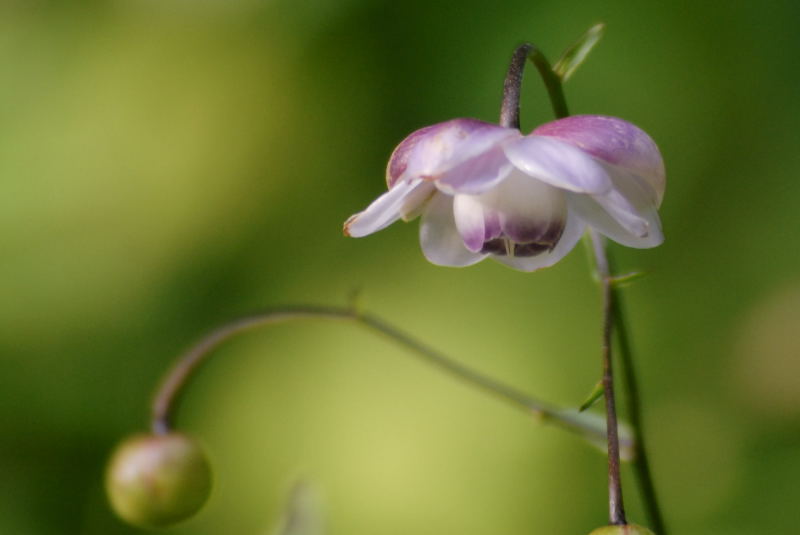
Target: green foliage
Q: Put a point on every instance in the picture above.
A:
(593, 397)
(575, 55)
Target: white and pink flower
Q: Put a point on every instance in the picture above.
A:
(485, 190)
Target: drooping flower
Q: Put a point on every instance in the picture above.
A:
(486, 190)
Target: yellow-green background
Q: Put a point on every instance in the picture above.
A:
(166, 165)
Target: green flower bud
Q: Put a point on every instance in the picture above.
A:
(157, 480)
(628, 529)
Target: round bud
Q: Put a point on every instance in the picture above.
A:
(157, 480)
(627, 529)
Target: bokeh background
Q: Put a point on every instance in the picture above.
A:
(167, 165)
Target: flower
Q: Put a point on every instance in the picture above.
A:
(486, 190)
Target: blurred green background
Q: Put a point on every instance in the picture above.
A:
(167, 165)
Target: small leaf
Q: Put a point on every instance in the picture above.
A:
(623, 280)
(593, 397)
(572, 57)
(303, 512)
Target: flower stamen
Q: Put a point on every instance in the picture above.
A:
(509, 246)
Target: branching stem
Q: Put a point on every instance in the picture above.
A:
(167, 397)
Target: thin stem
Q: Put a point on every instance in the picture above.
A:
(509, 112)
(512, 85)
(613, 312)
(616, 508)
(641, 464)
(167, 397)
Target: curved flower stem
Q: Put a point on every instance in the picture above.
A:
(166, 398)
(641, 464)
(509, 112)
(615, 504)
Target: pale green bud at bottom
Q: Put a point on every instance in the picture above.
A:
(158, 480)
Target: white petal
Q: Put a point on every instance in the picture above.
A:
(468, 214)
(414, 203)
(440, 240)
(572, 233)
(624, 213)
(528, 209)
(477, 175)
(383, 211)
(627, 214)
(558, 164)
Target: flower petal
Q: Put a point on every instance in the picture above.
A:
(398, 161)
(614, 141)
(558, 164)
(573, 230)
(383, 211)
(530, 210)
(414, 203)
(441, 243)
(521, 209)
(432, 151)
(470, 222)
(628, 214)
(476, 175)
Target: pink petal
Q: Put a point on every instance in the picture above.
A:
(432, 151)
(614, 141)
(398, 161)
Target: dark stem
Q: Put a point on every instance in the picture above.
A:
(509, 112)
(509, 116)
(167, 397)
(641, 464)
(512, 85)
(616, 508)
